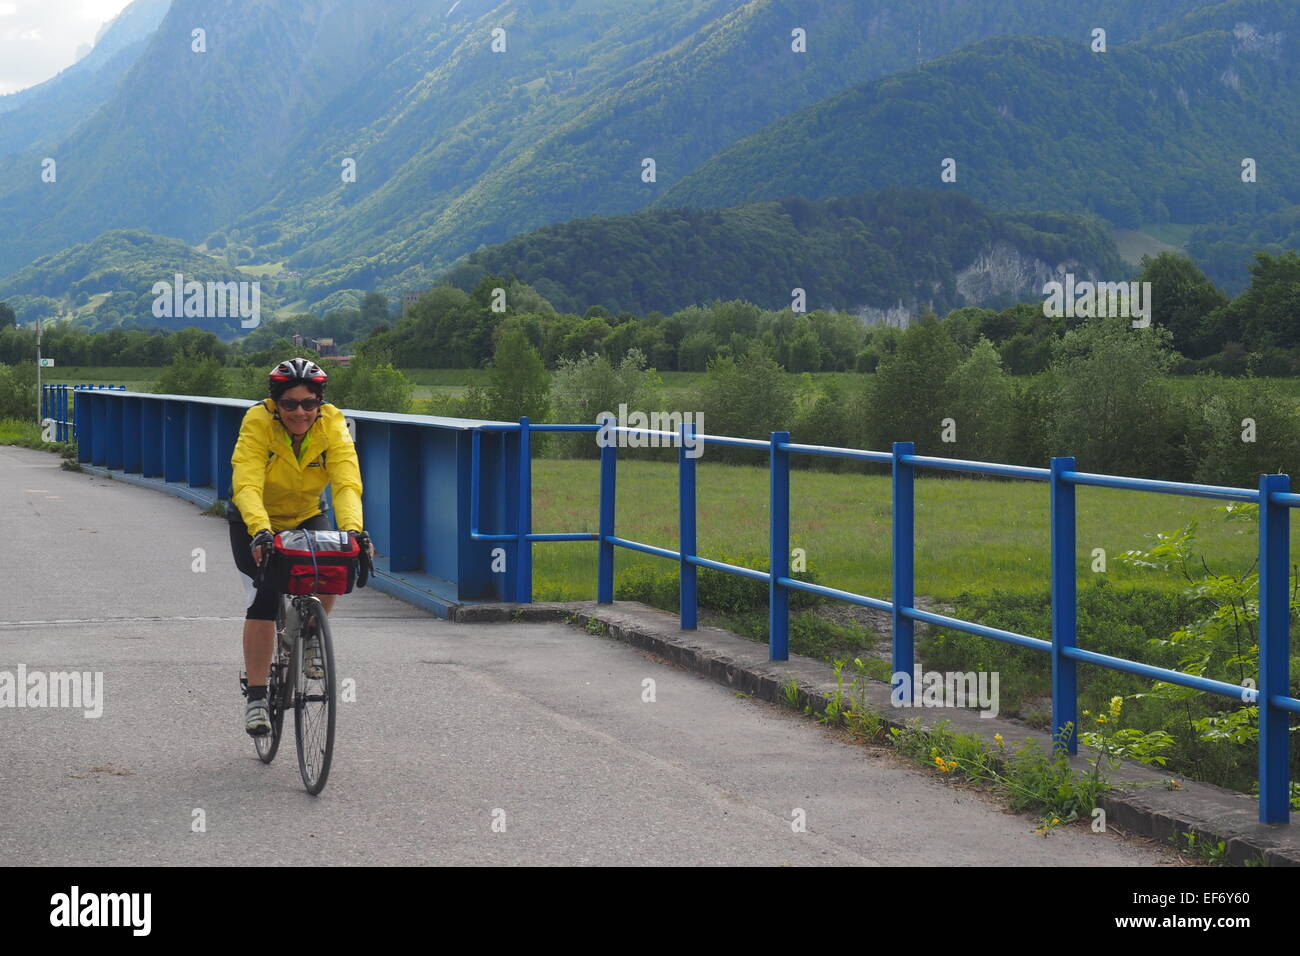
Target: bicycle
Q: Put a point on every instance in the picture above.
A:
(312, 699)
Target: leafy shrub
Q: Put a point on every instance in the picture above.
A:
(369, 386)
(1214, 446)
(1111, 620)
(193, 373)
(18, 391)
(749, 396)
(583, 388)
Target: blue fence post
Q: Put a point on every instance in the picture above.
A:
(904, 558)
(1274, 651)
(524, 560)
(63, 413)
(608, 484)
(1065, 686)
(778, 595)
(81, 422)
(686, 545)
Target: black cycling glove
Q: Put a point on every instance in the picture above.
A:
(264, 540)
(363, 572)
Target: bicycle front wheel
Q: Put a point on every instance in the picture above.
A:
(314, 705)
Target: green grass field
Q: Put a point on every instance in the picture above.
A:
(265, 270)
(972, 535)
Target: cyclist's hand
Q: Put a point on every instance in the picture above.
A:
(364, 542)
(261, 545)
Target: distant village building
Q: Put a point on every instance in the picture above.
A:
(322, 347)
(408, 300)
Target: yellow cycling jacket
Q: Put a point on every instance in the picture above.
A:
(273, 489)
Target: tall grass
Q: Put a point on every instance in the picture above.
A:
(971, 535)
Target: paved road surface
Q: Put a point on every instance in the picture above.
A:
(542, 727)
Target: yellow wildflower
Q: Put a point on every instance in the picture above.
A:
(1116, 705)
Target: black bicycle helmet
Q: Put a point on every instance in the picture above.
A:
(296, 371)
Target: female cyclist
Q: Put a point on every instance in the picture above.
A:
(290, 446)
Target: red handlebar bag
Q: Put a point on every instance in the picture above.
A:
(315, 562)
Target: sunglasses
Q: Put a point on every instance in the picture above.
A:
(308, 404)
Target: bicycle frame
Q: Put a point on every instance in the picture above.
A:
(299, 606)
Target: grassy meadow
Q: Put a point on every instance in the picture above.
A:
(971, 535)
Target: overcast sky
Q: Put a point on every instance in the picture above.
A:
(38, 38)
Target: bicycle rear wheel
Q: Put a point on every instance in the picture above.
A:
(314, 705)
(268, 744)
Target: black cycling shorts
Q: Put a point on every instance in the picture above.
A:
(267, 598)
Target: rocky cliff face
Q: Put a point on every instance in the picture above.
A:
(998, 272)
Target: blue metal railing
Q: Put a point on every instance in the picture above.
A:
(57, 405)
(429, 482)
(416, 482)
(1273, 496)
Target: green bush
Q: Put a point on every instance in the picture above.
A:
(908, 402)
(519, 385)
(193, 373)
(749, 396)
(368, 385)
(978, 397)
(1215, 446)
(832, 417)
(583, 388)
(247, 381)
(1114, 411)
(18, 391)
(1111, 620)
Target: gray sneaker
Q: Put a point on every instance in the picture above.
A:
(313, 665)
(257, 718)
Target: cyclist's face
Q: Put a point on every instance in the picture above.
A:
(299, 421)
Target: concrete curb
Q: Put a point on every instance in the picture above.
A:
(1141, 802)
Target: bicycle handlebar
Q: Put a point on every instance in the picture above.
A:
(365, 565)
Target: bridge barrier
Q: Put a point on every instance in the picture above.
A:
(454, 476)
(57, 402)
(415, 470)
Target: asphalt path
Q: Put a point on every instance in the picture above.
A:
(467, 744)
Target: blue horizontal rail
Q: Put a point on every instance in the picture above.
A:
(835, 593)
(980, 467)
(1274, 496)
(980, 630)
(699, 562)
(1163, 487)
(831, 452)
(643, 548)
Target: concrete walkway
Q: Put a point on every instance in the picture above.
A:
(541, 727)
